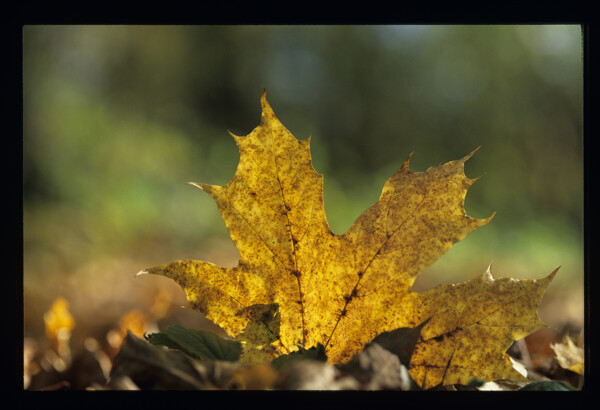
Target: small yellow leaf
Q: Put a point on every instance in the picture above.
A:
(135, 321)
(310, 286)
(58, 320)
(569, 355)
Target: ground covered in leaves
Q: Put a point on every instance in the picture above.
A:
(122, 360)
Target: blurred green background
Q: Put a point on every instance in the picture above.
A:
(118, 118)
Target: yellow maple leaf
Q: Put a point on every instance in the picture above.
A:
(299, 284)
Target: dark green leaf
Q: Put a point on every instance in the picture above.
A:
(197, 344)
(550, 385)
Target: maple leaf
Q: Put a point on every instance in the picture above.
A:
(297, 284)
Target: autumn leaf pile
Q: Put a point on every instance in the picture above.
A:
(298, 285)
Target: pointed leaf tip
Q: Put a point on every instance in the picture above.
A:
(553, 274)
(197, 185)
(487, 275)
(406, 161)
(267, 112)
(263, 99)
(469, 155)
(489, 218)
(233, 135)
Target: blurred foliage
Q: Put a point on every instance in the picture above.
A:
(118, 118)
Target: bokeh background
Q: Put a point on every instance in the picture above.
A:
(118, 118)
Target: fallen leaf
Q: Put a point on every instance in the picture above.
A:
(313, 375)
(150, 367)
(198, 344)
(569, 355)
(315, 287)
(548, 385)
(59, 324)
(501, 385)
(135, 321)
(58, 321)
(85, 371)
(375, 368)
